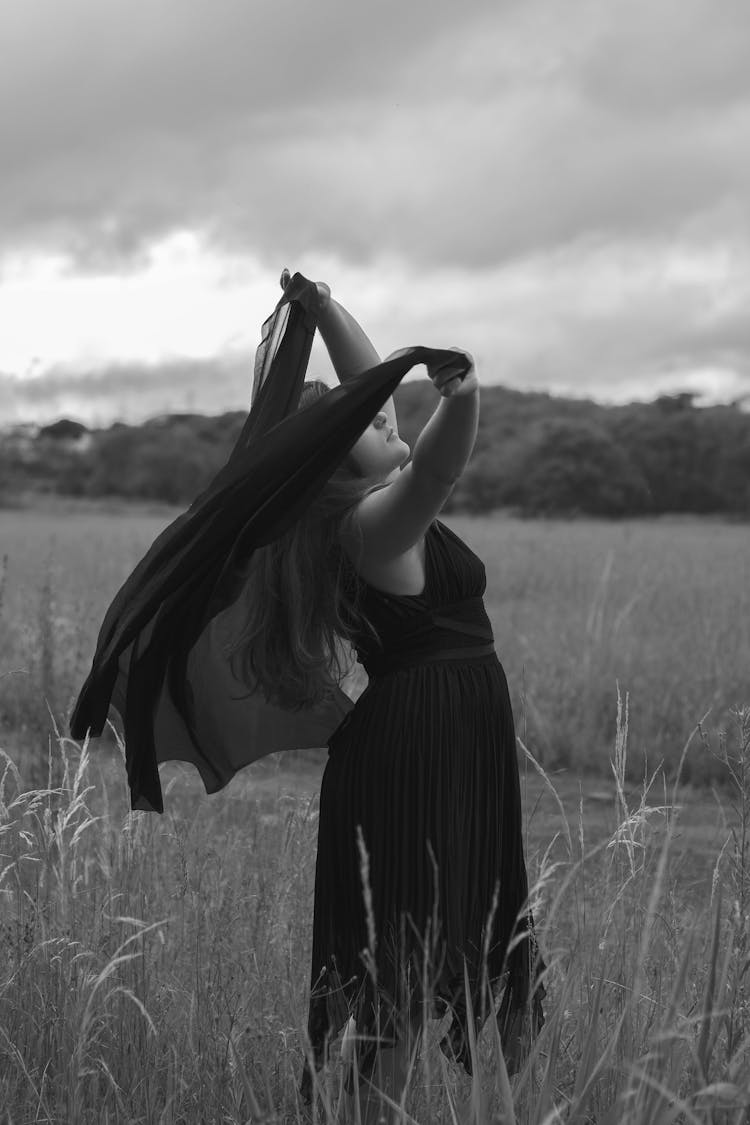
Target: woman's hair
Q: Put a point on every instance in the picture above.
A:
(301, 596)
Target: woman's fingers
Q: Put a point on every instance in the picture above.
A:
(449, 374)
(324, 291)
(451, 368)
(448, 388)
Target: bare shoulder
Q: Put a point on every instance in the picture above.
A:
(392, 522)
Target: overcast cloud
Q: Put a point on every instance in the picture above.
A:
(562, 188)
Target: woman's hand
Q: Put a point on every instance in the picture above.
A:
(449, 383)
(324, 292)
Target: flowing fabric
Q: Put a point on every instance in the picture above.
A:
(160, 658)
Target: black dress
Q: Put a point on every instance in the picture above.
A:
(426, 765)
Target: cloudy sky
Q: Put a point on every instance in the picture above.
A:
(560, 186)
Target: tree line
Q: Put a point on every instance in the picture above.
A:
(535, 454)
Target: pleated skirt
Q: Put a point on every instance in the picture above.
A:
(420, 879)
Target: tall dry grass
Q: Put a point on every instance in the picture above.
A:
(156, 969)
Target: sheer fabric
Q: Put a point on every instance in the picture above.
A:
(160, 657)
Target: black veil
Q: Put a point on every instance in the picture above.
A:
(160, 658)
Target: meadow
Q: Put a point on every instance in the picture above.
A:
(660, 608)
(155, 969)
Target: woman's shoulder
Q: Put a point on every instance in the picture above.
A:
(390, 521)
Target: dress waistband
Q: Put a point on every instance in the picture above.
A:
(428, 637)
(376, 668)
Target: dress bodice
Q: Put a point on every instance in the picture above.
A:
(447, 621)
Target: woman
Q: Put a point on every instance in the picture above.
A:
(315, 535)
(421, 786)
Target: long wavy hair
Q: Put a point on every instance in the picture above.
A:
(301, 597)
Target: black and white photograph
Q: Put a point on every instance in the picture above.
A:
(375, 562)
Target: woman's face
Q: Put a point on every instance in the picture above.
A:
(379, 451)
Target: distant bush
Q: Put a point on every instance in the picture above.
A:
(576, 468)
(535, 454)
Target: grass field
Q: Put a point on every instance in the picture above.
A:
(156, 969)
(661, 608)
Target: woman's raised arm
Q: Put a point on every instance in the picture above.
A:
(348, 345)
